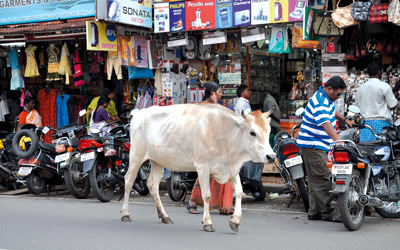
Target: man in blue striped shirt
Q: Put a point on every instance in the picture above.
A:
(317, 132)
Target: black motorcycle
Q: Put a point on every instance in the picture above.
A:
(367, 174)
(8, 164)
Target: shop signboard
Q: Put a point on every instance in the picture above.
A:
(241, 13)
(223, 14)
(296, 10)
(260, 13)
(101, 37)
(161, 17)
(132, 12)
(14, 11)
(279, 11)
(200, 15)
(177, 16)
(139, 48)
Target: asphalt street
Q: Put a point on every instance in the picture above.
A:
(61, 222)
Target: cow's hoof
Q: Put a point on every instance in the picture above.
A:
(126, 218)
(208, 228)
(167, 220)
(234, 226)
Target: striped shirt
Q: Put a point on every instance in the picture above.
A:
(320, 109)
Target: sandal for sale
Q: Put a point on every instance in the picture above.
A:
(333, 218)
(192, 209)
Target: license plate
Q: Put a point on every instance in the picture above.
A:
(24, 171)
(293, 161)
(342, 168)
(63, 157)
(87, 156)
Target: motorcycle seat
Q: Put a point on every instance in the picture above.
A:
(47, 147)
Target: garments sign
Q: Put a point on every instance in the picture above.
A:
(260, 13)
(177, 15)
(279, 11)
(241, 13)
(101, 37)
(161, 17)
(200, 15)
(223, 13)
(132, 12)
(28, 11)
(139, 45)
(296, 10)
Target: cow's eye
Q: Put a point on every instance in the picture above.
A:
(252, 133)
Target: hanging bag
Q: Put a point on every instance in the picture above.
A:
(379, 12)
(360, 11)
(342, 17)
(324, 25)
(394, 12)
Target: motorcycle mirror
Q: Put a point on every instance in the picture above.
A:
(299, 111)
(82, 112)
(354, 109)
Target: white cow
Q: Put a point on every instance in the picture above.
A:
(207, 138)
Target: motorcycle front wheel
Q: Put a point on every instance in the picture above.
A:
(77, 184)
(258, 191)
(141, 187)
(175, 190)
(36, 184)
(390, 210)
(102, 188)
(351, 210)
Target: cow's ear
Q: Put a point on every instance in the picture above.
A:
(267, 114)
(238, 121)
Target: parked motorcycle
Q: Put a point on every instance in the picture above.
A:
(8, 164)
(179, 183)
(367, 174)
(290, 164)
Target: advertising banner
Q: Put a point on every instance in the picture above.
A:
(133, 12)
(241, 13)
(101, 37)
(299, 42)
(139, 45)
(28, 11)
(223, 13)
(200, 15)
(260, 13)
(161, 17)
(279, 11)
(308, 21)
(296, 10)
(128, 56)
(177, 16)
(155, 54)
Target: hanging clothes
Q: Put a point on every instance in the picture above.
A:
(94, 68)
(65, 67)
(53, 63)
(78, 76)
(113, 63)
(48, 109)
(3, 108)
(62, 110)
(31, 65)
(17, 82)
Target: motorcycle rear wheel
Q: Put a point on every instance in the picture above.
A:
(102, 189)
(174, 187)
(36, 184)
(351, 210)
(79, 187)
(392, 210)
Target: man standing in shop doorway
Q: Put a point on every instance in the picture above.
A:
(317, 133)
(375, 99)
(243, 104)
(270, 103)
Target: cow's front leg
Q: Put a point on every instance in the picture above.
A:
(204, 179)
(237, 215)
(154, 184)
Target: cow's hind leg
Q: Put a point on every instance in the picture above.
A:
(204, 179)
(154, 184)
(130, 177)
(237, 215)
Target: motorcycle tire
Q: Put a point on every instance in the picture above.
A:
(33, 147)
(258, 191)
(174, 187)
(36, 184)
(13, 185)
(141, 187)
(352, 214)
(303, 192)
(103, 190)
(79, 187)
(387, 214)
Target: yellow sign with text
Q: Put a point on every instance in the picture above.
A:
(101, 36)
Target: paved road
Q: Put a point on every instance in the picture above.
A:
(57, 222)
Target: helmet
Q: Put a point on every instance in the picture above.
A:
(24, 140)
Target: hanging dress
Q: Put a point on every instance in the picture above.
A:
(62, 110)
(17, 82)
(65, 67)
(78, 76)
(94, 67)
(31, 65)
(53, 63)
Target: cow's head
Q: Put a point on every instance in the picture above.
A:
(256, 136)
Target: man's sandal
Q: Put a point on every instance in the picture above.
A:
(192, 209)
(333, 218)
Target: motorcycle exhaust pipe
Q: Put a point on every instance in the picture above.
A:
(5, 170)
(367, 200)
(110, 178)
